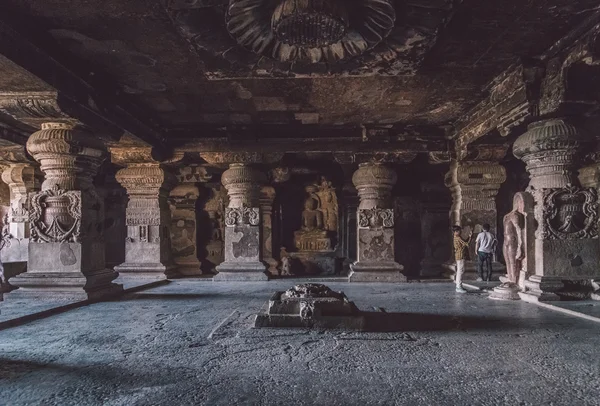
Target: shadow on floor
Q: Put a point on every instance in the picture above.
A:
(404, 322)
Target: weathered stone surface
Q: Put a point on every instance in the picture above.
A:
(66, 249)
(311, 305)
(148, 218)
(243, 246)
(566, 238)
(375, 245)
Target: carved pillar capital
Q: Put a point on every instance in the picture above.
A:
(243, 184)
(69, 156)
(474, 184)
(374, 183)
(146, 180)
(550, 149)
(20, 179)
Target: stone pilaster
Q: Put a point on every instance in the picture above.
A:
(566, 239)
(20, 178)
(474, 186)
(242, 226)
(267, 196)
(375, 227)
(66, 249)
(182, 200)
(148, 219)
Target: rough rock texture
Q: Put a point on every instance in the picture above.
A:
(192, 344)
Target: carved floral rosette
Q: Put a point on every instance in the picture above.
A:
(569, 213)
(237, 216)
(55, 215)
(376, 218)
(309, 31)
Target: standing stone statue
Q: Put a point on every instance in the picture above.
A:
(286, 265)
(328, 205)
(513, 250)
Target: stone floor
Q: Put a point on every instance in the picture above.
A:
(190, 343)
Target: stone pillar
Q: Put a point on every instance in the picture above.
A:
(183, 229)
(16, 232)
(267, 196)
(148, 219)
(566, 239)
(474, 186)
(242, 226)
(375, 257)
(66, 249)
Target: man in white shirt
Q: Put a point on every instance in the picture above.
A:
(485, 246)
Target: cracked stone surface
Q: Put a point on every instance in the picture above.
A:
(191, 343)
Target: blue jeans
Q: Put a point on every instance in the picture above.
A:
(484, 258)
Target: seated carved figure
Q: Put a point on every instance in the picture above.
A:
(312, 236)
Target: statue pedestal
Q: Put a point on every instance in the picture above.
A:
(506, 291)
(315, 262)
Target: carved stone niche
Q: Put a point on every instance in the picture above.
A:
(567, 251)
(182, 202)
(66, 251)
(376, 252)
(319, 231)
(211, 226)
(310, 37)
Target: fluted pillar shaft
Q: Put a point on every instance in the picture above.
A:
(148, 220)
(66, 250)
(375, 226)
(243, 245)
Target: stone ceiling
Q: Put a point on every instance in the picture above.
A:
(194, 65)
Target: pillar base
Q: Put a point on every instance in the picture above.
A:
(244, 271)
(65, 286)
(150, 270)
(385, 272)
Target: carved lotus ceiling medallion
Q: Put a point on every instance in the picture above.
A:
(310, 31)
(310, 38)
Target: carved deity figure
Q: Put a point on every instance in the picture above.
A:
(513, 249)
(286, 263)
(328, 204)
(312, 219)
